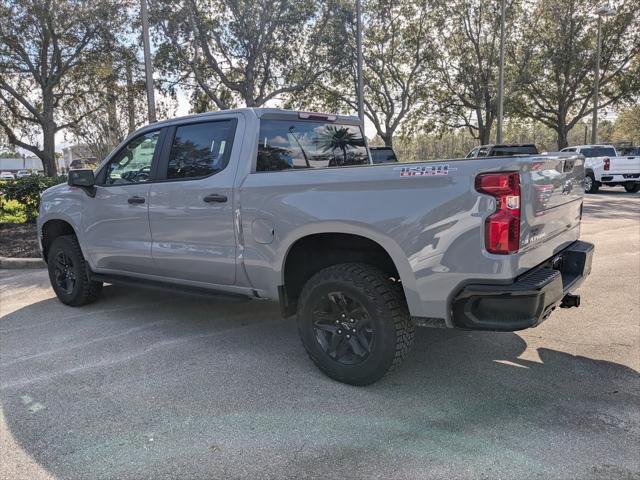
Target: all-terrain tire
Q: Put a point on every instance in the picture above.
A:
(387, 317)
(76, 288)
(632, 187)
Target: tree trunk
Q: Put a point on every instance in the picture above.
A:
(562, 137)
(49, 150)
(112, 118)
(484, 134)
(48, 135)
(131, 105)
(388, 139)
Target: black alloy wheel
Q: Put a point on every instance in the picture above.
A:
(343, 328)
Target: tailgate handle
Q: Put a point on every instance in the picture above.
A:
(568, 166)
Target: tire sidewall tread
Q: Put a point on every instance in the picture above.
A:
(86, 290)
(386, 304)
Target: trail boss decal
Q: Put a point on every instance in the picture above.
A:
(425, 171)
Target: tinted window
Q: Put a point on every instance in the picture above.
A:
(472, 153)
(383, 155)
(291, 144)
(483, 151)
(200, 149)
(598, 152)
(514, 150)
(132, 164)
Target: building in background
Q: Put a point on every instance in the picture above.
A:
(13, 164)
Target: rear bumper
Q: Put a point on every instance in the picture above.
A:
(620, 177)
(529, 300)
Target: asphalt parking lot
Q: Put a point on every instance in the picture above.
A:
(154, 385)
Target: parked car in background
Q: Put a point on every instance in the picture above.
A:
(7, 176)
(286, 206)
(382, 155)
(603, 167)
(23, 173)
(503, 150)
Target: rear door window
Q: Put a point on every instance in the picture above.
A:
(483, 152)
(200, 149)
(472, 153)
(298, 144)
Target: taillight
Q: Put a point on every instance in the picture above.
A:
(502, 228)
(607, 163)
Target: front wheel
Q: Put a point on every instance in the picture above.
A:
(590, 183)
(354, 323)
(69, 274)
(632, 187)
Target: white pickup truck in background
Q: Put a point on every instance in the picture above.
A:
(603, 167)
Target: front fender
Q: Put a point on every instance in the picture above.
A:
(64, 203)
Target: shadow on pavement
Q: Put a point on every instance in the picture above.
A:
(612, 204)
(157, 385)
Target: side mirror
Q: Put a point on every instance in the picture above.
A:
(81, 178)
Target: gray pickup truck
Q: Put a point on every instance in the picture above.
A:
(288, 206)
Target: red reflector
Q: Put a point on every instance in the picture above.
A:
(502, 228)
(607, 163)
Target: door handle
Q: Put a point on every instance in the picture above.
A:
(215, 198)
(135, 199)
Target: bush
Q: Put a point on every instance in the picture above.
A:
(12, 211)
(27, 191)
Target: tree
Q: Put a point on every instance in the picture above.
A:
(398, 59)
(44, 47)
(469, 32)
(241, 51)
(555, 60)
(627, 125)
(117, 106)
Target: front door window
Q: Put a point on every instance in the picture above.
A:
(132, 164)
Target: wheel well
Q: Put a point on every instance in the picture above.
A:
(51, 230)
(312, 253)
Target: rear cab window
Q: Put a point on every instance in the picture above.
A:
(508, 151)
(302, 144)
(598, 152)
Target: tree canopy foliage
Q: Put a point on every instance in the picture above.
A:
(555, 60)
(430, 66)
(45, 47)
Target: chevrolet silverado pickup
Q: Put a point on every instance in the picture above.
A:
(288, 206)
(604, 167)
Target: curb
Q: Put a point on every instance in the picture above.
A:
(17, 263)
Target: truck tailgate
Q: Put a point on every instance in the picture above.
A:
(624, 165)
(553, 202)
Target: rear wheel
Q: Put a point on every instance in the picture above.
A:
(354, 323)
(590, 184)
(632, 187)
(69, 274)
